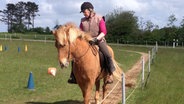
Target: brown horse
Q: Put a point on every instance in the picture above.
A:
(72, 44)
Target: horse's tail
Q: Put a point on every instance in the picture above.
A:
(118, 71)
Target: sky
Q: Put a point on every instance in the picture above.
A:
(53, 12)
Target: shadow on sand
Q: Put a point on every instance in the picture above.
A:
(58, 102)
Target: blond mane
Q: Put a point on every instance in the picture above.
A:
(72, 32)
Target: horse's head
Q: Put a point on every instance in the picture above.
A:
(65, 36)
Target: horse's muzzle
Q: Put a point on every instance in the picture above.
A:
(64, 65)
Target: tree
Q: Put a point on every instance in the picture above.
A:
(182, 22)
(29, 11)
(121, 24)
(149, 25)
(47, 30)
(18, 15)
(8, 16)
(171, 20)
(170, 32)
(141, 24)
(33, 11)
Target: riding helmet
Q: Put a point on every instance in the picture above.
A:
(86, 5)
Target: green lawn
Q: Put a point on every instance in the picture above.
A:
(15, 68)
(165, 85)
(33, 36)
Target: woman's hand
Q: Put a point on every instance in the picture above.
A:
(94, 41)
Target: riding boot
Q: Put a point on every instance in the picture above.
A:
(72, 79)
(110, 65)
(111, 70)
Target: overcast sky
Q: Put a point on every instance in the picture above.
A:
(62, 11)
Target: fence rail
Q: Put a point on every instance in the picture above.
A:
(24, 37)
(174, 43)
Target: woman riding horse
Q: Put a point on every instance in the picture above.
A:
(73, 44)
(95, 24)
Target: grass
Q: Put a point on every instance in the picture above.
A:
(127, 59)
(15, 68)
(165, 85)
(32, 36)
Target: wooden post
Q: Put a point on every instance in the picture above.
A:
(142, 72)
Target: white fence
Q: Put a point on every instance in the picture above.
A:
(30, 37)
(151, 57)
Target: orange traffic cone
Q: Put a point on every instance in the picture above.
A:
(52, 71)
(1, 48)
(26, 49)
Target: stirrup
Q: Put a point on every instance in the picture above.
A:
(72, 81)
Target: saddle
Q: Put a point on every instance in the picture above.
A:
(103, 59)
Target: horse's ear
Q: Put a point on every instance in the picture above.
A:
(53, 32)
(72, 32)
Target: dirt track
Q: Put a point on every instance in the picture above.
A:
(131, 77)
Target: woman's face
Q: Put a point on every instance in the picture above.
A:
(86, 13)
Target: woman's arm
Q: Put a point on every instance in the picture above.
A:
(103, 30)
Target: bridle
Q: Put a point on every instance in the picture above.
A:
(77, 58)
(94, 51)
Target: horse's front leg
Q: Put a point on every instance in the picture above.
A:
(86, 91)
(97, 92)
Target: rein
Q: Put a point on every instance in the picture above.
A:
(93, 49)
(78, 58)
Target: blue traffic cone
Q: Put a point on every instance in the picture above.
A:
(18, 49)
(30, 84)
(5, 48)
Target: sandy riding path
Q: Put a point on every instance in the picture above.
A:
(131, 77)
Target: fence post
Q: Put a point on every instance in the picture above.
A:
(165, 44)
(149, 68)
(45, 39)
(173, 43)
(10, 37)
(152, 55)
(4, 36)
(117, 41)
(176, 42)
(123, 89)
(142, 72)
(156, 46)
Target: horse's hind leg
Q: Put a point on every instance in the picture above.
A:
(105, 87)
(97, 92)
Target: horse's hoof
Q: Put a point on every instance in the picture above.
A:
(72, 81)
(109, 82)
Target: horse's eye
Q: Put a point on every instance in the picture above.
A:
(61, 45)
(58, 45)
